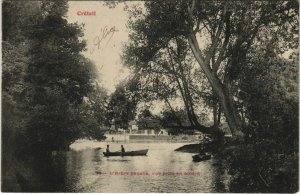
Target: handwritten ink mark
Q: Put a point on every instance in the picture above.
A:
(104, 34)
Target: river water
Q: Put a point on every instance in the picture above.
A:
(85, 169)
(162, 170)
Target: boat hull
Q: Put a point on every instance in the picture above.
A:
(201, 157)
(131, 153)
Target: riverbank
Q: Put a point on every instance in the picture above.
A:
(204, 146)
(150, 138)
(189, 148)
(165, 138)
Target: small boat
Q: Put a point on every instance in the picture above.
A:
(201, 157)
(131, 153)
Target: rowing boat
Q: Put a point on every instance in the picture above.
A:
(201, 157)
(131, 153)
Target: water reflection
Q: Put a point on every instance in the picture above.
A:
(162, 170)
(88, 170)
(46, 174)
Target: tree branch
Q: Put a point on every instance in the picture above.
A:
(221, 57)
(215, 38)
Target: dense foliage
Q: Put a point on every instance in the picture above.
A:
(121, 108)
(58, 77)
(219, 35)
(146, 120)
(269, 160)
(48, 89)
(237, 59)
(241, 47)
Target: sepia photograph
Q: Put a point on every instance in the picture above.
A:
(168, 96)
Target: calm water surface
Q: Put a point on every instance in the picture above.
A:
(87, 170)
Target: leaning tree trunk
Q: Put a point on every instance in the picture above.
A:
(221, 90)
(219, 113)
(216, 114)
(189, 108)
(173, 112)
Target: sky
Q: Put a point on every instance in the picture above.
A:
(107, 26)
(105, 33)
(106, 56)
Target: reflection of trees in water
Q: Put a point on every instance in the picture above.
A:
(51, 173)
(74, 161)
(58, 173)
(38, 174)
(220, 176)
(62, 172)
(77, 163)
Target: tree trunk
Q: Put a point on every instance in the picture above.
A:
(187, 99)
(219, 114)
(190, 109)
(174, 113)
(223, 93)
(215, 114)
(185, 102)
(228, 93)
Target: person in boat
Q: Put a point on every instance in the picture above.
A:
(122, 148)
(107, 148)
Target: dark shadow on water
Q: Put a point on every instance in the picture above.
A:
(55, 173)
(49, 174)
(118, 160)
(96, 156)
(220, 177)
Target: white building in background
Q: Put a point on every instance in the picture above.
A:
(163, 132)
(133, 126)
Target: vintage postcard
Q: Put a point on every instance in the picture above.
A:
(181, 96)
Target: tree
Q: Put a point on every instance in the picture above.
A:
(170, 75)
(226, 32)
(17, 17)
(169, 118)
(97, 102)
(121, 108)
(15, 60)
(45, 83)
(14, 63)
(270, 98)
(59, 77)
(146, 120)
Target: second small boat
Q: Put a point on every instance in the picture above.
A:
(201, 157)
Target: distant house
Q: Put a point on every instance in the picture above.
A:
(121, 130)
(133, 126)
(163, 132)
